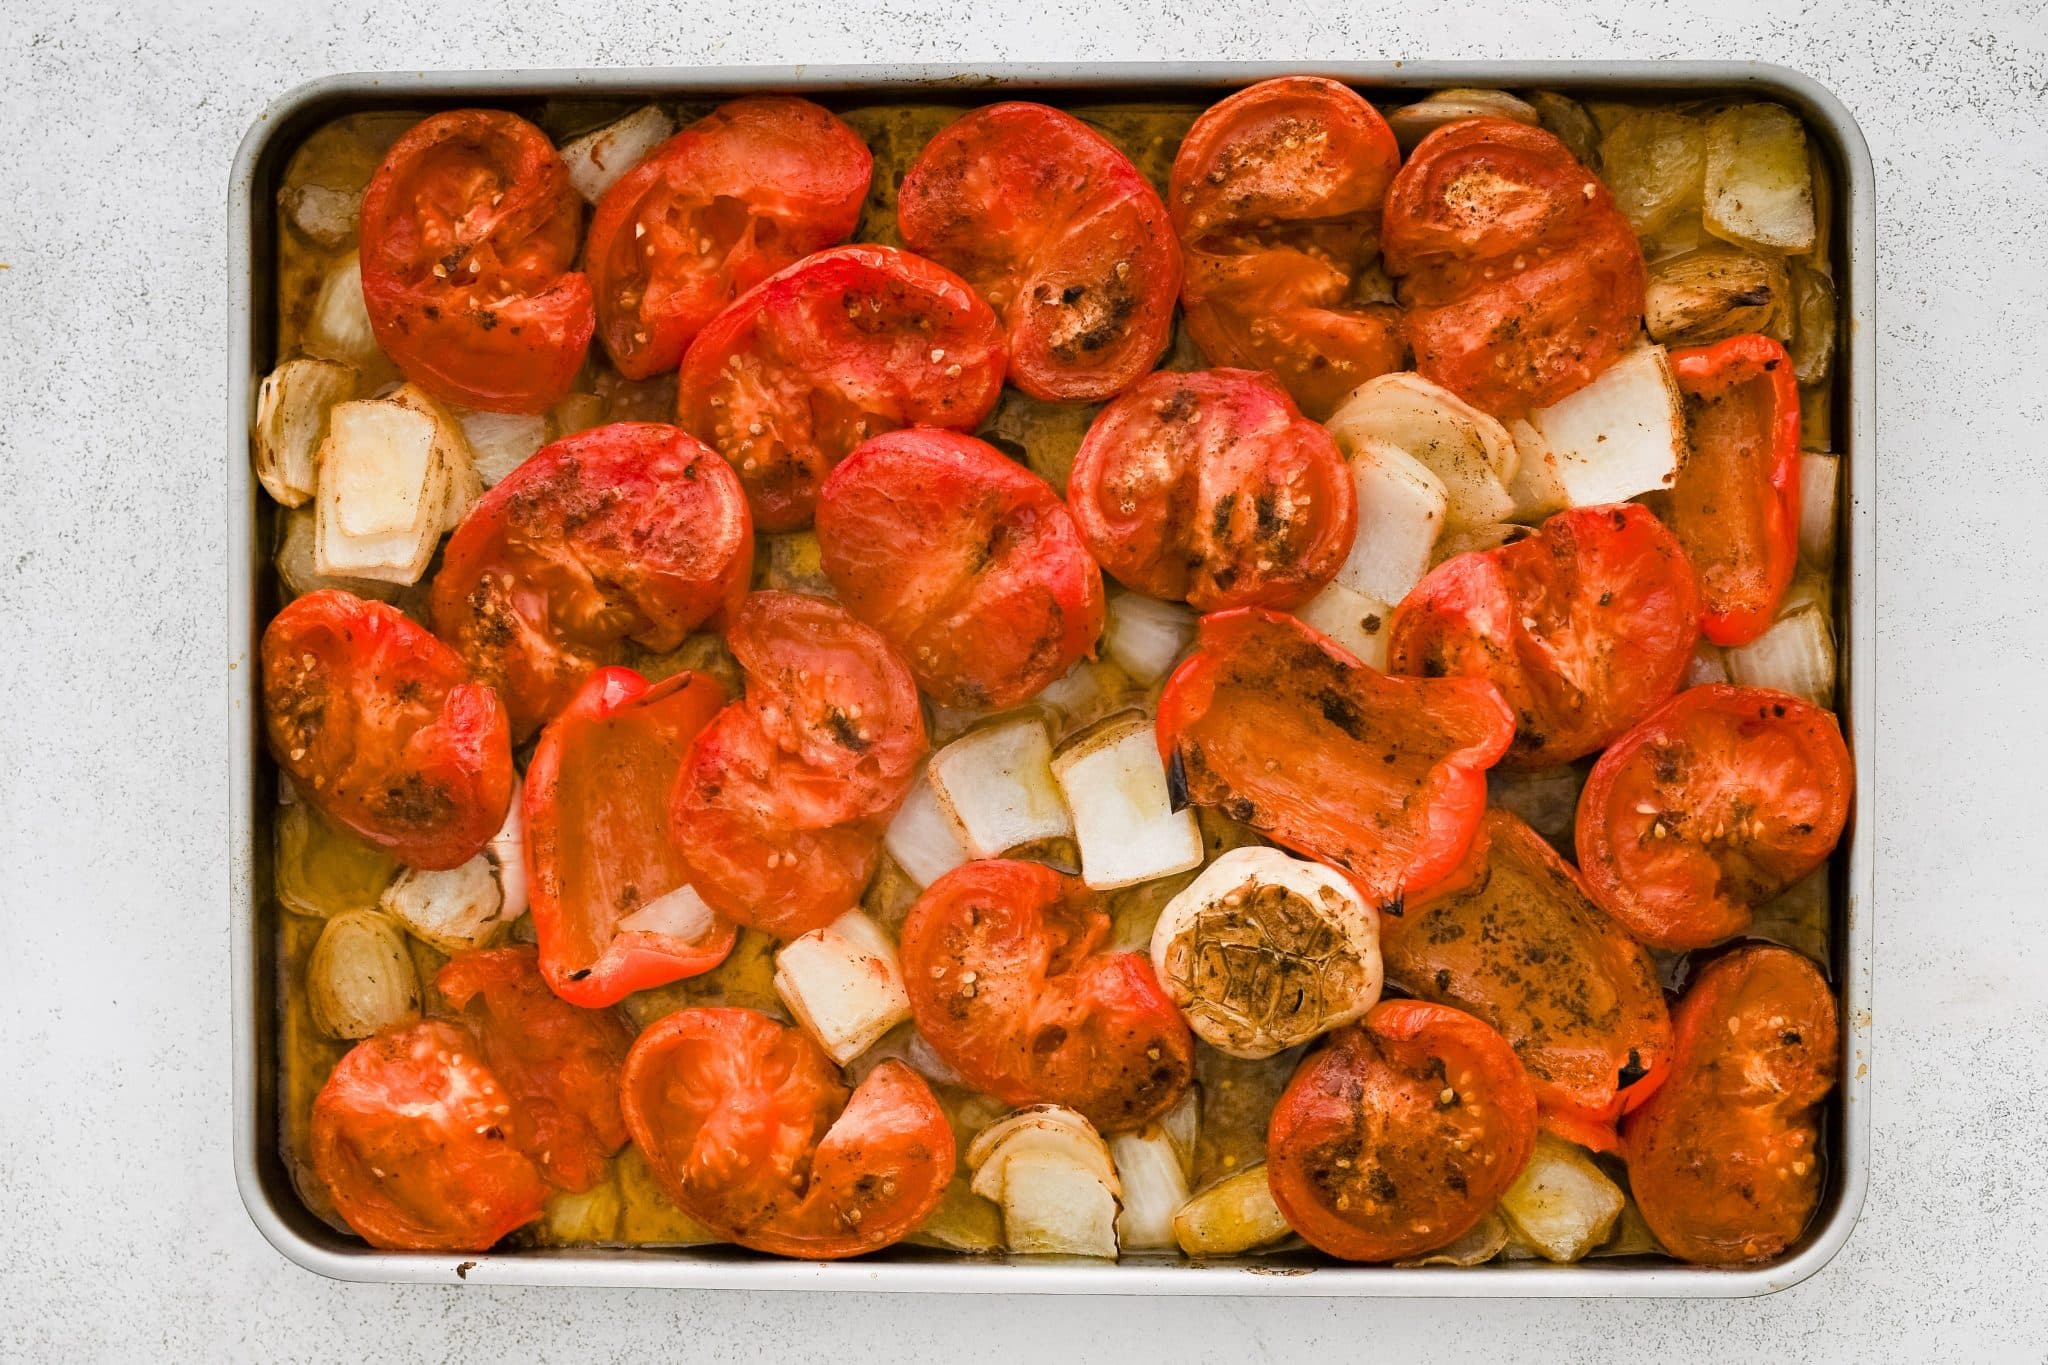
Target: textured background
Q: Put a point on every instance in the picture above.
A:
(123, 1238)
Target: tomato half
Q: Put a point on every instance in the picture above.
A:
(380, 727)
(629, 531)
(560, 1064)
(1061, 234)
(1520, 279)
(1725, 1159)
(741, 193)
(1278, 726)
(468, 230)
(749, 1129)
(843, 345)
(1213, 487)
(781, 806)
(1010, 983)
(1514, 939)
(1276, 194)
(598, 845)
(1400, 1133)
(1735, 504)
(1584, 627)
(412, 1137)
(1719, 800)
(965, 561)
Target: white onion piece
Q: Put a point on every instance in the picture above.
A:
(1413, 122)
(454, 909)
(451, 449)
(1538, 487)
(382, 492)
(1182, 1125)
(338, 328)
(678, 914)
(1470, 452)
(1154, 1187)
(1402, 507)
(1759, 182)
(1621, 435)
(1145, 636)
(1796, 655)
(1562, 1205)
(843, 985)
(1353, 620)
(996, 784)
(1054, 1125)
(1476, 1245)
(507, 854)
(1708, 665)
(291, 422)
(499, 442)
(1235, 1215)
(922, 838)
(1053, 1176)
(360, 979)
(295, 561)
(1819, 481)
(597, 160)
(1124, 820)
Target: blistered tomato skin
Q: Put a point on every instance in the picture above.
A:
(1725, 1159)
(380, 726)
(1211, 486)
(468, 231)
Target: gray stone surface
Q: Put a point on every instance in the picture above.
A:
(123, 1238)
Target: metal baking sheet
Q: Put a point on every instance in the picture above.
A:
(259, 1169)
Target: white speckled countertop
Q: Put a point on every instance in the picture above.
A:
(124, 1239)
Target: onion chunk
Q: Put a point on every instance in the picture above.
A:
(1124, 820)
(1621, 435)
(1759, 182)
(843, 985)
(996, 784)
(597, 160)
(1235, 1215)
(1562, 1205)
(360, 978)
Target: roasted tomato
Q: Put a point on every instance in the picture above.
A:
(749, 1129)
(1725, 1159)
(1276, 194)
(468, 230)
(1584, 627)
(380, 727)
(782, 803)
(628, 531)
(1520, 278)
(611, 904)
(1513, 938)
(1400, 1133)
(965, 561)
(559, 1064)
(1735, 505)
(1383, 777)
(744, 191)
(1010, 983)
(1061, 234)
(1719, 800)
(412, 1135)
(1213, 487)
(843, 345)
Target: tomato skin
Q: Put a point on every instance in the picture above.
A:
(1520, 279)
(1735, 505)
(1276, 193)
(629, 531)
(1061, 234)
(845, 344)
(1514, 939)
(1280, 727)
(468, 230)
(749, 1129)
(1585, 627)
(1716, 802)
(598, 845)
(380, 727)
(1211, 486)
(559, 1064)
(741, 193)
(967, 563)
(411, 1137)
(1365, 1157)
(1725, 1159)
(1010, 984)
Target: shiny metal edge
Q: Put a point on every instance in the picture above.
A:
(266, 1191)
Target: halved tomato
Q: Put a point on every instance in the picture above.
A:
(1010, 983)
(1584, 627)
(1725, 1160)
(781, 806)
(965, 561)
(744, 191)
(1520, 278)
(1213, 487)
(380, 727)
(1278, 726)
(843, 345)
(468, 230)
(560, 1064)
(602, 861)
(1061, 234)
(629, 531)
(1276, 194)
(412, 1137)
(1513, 938)
(1400, 1133)
(1719, 800)
(749, 1129)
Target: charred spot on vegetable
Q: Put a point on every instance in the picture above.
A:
(845, 731)
(1177, 782)
(1631, 1072)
